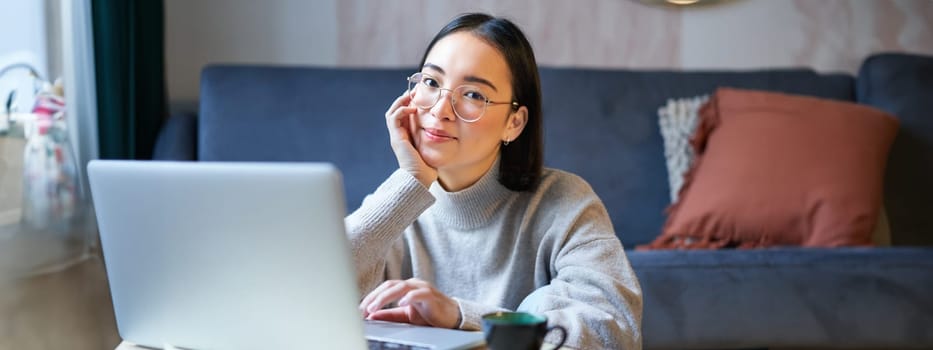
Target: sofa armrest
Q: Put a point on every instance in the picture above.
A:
(901, 84)
(178, 138)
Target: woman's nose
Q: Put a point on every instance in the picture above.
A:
(443, 109)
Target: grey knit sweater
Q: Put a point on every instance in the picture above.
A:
(550, 251)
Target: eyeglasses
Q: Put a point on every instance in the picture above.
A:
(469, 102)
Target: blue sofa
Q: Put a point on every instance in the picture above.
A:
(602, 125)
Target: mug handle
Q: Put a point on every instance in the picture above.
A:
(563, 336)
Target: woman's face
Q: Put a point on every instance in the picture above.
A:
(459, 150)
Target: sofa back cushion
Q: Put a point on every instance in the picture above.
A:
(902, 85)
(603, 126)
(263, 113)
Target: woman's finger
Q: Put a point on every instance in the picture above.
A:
(396, 314)
(387, 296)
(412, 125)
(430, 306)
(399, 121)
(402, 314)
(399, 115)
(417, 298)
(399, 101)
(364, 304)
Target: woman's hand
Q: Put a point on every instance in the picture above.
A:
(418, 303)
(400, 120)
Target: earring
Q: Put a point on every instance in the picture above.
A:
(506, 143)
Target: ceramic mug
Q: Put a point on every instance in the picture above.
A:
(518, 331)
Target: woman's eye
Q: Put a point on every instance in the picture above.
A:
(431, 82)
(475, 95)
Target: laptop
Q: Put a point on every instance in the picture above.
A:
(203, 255)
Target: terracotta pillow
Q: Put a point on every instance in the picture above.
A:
(776, 169)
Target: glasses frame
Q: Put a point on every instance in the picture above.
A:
(418, 78)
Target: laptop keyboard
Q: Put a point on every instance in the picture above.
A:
(384, 345)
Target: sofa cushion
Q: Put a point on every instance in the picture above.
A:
(267, 113)
(779, 169)
(902, 85)
(178, 138)
(865, 298)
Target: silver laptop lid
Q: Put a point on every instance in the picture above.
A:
(227, 255)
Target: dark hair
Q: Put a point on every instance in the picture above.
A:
(520, 161)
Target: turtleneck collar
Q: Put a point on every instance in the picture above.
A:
(474, 206)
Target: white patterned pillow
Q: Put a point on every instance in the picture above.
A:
(677, 120)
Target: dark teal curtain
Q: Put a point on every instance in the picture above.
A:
(129, 62)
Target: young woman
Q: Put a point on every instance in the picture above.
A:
(470, 223)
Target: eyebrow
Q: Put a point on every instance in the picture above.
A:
(469, 78)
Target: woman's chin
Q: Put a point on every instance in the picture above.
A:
(432, 157)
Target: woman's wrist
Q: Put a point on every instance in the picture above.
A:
(425, 180)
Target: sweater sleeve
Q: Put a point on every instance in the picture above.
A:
(593, 291)
(471, 314)
(380, 221)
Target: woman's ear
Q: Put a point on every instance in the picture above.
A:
(515, 124)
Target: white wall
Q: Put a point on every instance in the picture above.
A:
(199, 32)
(22, 40)
(22, 26)
(828, 35)
(30, 33)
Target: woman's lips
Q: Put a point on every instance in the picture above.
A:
(437, 135)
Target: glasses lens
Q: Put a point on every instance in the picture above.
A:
(423, 90)
(469, 103)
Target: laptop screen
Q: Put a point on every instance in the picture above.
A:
(227, 255)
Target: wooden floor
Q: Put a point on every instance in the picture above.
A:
(67, 309)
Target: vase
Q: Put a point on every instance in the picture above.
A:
(48, 230)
